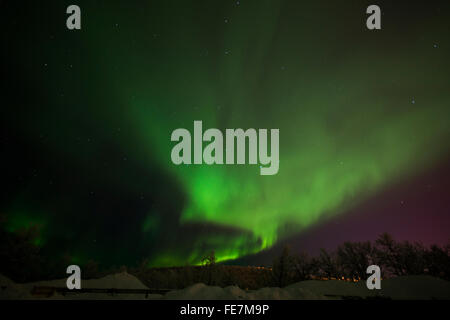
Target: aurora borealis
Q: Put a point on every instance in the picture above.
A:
(87, 118)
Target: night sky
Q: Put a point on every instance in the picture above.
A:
(87, 115)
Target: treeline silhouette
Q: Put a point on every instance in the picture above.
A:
(351, 259)
(23, 261)
(348, 262)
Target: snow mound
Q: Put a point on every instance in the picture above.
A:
(201, 291)
(406, 287)
(416, 287)
(283, 294)
(400, 288)
(10, 290)
(332, 288)
(124, 280)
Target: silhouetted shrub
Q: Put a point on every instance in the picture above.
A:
(327, 264)
(283, 268)
(304, 266)
(353, 259)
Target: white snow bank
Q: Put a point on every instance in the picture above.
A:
(201, 291)
(10, 290)
(407, 287)
(332, 288)
(416, 287)
(124, 280)
(284, 294)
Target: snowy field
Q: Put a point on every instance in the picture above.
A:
(408, 287)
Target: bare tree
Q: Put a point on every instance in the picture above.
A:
(355, 257)
(303, 266)
(282, 267)
(209, 266)
(437, 261)
(327, 264)
(401, 258)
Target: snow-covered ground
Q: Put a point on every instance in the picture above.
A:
(11, 290)
(408, 287)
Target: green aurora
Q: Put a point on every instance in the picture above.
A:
(357, 111)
